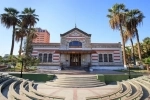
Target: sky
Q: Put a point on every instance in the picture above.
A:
(60, 16)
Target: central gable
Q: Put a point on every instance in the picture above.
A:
(75, 32)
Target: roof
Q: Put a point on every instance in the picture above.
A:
(74, 30)
(45, 43)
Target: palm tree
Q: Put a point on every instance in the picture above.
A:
(21, 32)
(117, 18)
(129, 33)
(127, 36)
(30, 19)
(136, 18)
(10, 19)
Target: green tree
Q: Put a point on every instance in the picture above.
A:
(117, 17)
(136, 18)
(147, 62)
(21, 32)
(146, 46)
(10, 19)
(30, 19)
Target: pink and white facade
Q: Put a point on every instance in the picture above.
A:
(75, 49)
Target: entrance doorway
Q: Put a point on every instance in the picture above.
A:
(75, 59)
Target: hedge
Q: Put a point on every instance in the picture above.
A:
(36, 77)
(114, 78)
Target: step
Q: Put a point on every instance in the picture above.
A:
(78, 81)
(70, 83)
(78, 86)
(87, 80)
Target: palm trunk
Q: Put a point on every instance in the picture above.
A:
(27, 41)
(27, 46)
(132, 51)
(138, 43)
(12, 43)
(20, 50)
(123, 45)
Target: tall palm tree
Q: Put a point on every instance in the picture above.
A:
(10, 19)
(136, 18)
(129, 33)
(117, 18)
(30, 19)
(21, 32)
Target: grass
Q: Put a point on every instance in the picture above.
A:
(134, 71)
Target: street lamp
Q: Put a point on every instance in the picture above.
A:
(21, 68)
(130, 62)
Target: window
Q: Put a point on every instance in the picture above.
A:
(100, 58)
(105, 58)
(75, 44)
(49, 57)
(110, 58)
(45, 58)
(40, 57)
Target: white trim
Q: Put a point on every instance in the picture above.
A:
(106, 49)
(75, 37)
(117, 51)
(34, 54)
(116, 57)
(117, 61)
(46, 48)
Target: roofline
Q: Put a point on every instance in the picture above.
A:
(75, 29)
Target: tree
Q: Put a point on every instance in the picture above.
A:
(10, 19)
(129, 33)
(136, 18)
(146, 46)
(117, 18)
(30, 19)
(1, 60)
(128, 54)
(21, 32)
(147, 62)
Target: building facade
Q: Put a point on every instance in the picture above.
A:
(75, 49)
(43, 36)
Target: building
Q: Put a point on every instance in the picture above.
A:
(75, 49)
(43, 36)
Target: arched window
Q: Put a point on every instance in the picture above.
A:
(75, 44)
(40, 57)
(45, 57)
(49, 57)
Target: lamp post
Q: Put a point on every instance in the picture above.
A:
(21, 68)
(130, 61)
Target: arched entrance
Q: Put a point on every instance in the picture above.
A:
(75, 59)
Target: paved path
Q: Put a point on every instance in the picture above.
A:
(75, 93)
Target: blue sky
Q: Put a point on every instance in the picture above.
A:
(59, 16)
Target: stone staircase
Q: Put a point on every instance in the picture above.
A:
(75, 81)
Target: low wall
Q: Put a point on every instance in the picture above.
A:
(36, 77)
(114, 78)
(106, 68)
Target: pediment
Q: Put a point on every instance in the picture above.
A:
(75, 32)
